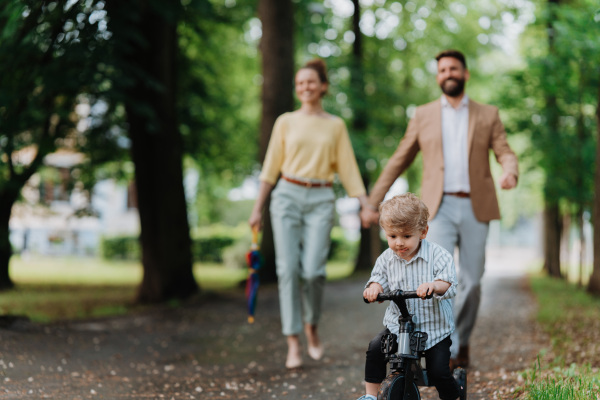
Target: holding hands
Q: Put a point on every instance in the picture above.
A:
(369, 216)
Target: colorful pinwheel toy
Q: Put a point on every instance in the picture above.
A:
(254, 260)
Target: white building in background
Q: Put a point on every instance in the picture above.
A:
(53, 220)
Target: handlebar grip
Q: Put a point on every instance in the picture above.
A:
(399, 294)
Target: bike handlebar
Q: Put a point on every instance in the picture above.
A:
(398, 295)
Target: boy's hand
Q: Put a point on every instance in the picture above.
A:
(438, 287)
(372, 291)
(425, 289)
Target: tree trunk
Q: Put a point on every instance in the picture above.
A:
(156, 148)
(552, 235)
(370, 244)
(582, 246)
(552, 215)
(277, 48)
(7, 200)
(594, 283)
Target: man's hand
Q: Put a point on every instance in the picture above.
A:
(372, 291)
(368, 217)
(508, 181)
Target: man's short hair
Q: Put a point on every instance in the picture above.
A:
(454, 54)
(405, 212)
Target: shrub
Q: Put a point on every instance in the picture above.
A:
(120, 248)
(210, 249)
(207, 248)
(341, 248)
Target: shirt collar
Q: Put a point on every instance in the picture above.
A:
(422, 253)
(464, 102)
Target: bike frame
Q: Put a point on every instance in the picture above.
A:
(411, 345)
(406, 366)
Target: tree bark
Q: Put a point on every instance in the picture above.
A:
(277, 49)
(594, 282)
(552, 214)
(370, 244)
(156, 147)
(7, 200)
(552, 235)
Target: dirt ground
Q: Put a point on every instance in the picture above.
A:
(207, 350)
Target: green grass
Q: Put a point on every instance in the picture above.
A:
(570, 316)
(573, 383)
(56, 288)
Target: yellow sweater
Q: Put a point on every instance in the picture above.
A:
(312, 147)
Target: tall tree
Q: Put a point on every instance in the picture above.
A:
(145, 55)
(49, 52)
(594, 282)
(370, 244)
(277, 49)
(552, 214)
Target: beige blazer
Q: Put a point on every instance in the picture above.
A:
(424, 133)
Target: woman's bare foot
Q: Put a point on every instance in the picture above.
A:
(294, 356)
(315, 349)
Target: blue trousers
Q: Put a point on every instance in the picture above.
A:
(302, 219)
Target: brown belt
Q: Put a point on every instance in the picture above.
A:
(458, 194)
(307, 184)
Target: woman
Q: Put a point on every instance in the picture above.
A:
(307, 147)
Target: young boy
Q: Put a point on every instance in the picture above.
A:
(413, 263)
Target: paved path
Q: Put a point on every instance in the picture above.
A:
(206, 350)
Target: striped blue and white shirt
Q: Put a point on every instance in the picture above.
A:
(432, 262)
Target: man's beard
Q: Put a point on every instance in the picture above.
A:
(453, 87)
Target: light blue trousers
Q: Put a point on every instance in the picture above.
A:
(302, 219)
(455, 226)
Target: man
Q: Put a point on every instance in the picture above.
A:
(455, 135)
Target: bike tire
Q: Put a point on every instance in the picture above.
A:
(392, 388)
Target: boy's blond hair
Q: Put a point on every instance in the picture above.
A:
(405, 212)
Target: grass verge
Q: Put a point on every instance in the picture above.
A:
(53, 288)
(570, 370)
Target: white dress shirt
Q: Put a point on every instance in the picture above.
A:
(455, 126)
(432, 262)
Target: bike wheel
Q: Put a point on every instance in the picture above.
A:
(392, 388)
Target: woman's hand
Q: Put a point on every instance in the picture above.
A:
(255, 220)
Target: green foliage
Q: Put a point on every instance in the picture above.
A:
(219, 104)
(49, 52)
(553, 100)
(342, 249)
(120, 248)
(208, 244)
(210, 248)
